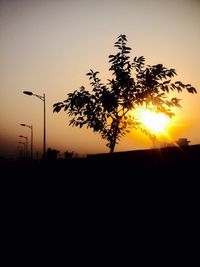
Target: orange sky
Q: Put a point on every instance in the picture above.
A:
(49, 46)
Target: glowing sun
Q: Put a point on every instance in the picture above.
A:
(155, 122)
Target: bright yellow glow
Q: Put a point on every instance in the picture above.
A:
(155, 122)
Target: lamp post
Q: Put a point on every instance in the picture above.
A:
(31, 127)
(26, 144)
(44, 137)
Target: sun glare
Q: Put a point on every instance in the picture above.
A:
(155, 122)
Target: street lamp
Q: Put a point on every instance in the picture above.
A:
(25, 137)
(31, 127)
(44, 138)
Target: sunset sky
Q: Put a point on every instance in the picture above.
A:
(48, 46)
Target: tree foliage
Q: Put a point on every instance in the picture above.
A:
(106, 108)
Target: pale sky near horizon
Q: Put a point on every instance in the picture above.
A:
(48, 46)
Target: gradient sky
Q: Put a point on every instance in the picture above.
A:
(48, 46)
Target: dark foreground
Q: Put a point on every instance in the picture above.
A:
(141, 184)
(167, 163)
(147, 197)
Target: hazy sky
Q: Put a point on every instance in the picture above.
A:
(48, 46)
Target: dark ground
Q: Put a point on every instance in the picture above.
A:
(167, 163)
(156, 189)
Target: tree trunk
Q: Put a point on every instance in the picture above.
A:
(113, 143)
(112, 148)
(115, 134)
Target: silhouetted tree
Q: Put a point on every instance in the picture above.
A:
(52, 154)
(106, 108)
(69, 154)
